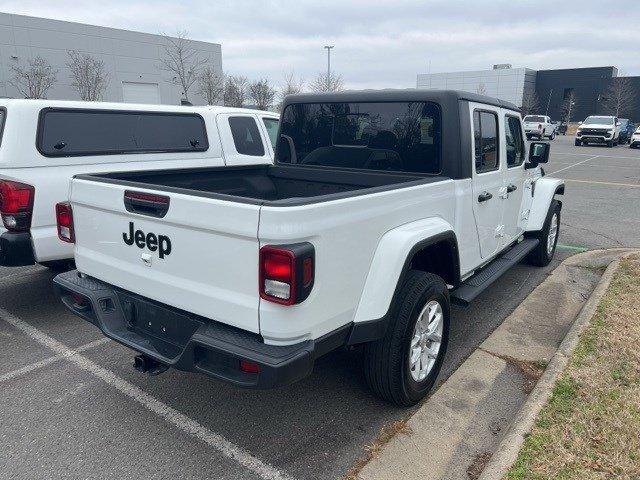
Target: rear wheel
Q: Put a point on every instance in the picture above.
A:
(402, 366)
(610, 144)
(542, 255)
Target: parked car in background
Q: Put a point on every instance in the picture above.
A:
(382, 208)
(43, 143)
(539, 126)
(626, 130)
(598, 129)
(635, 139)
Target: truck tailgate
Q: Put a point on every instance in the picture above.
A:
(211, 268)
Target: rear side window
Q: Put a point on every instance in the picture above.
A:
(272, 125)
(514, 141)
(3, 115)
(485, 133)
(72, 132)
(389, 136)
(246, 136)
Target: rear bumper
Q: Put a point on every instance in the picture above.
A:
(16, 249)
(187, 342)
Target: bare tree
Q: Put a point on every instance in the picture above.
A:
(619, 97)
(182, 60)
(481, 89)
(334, 83)
(211, 85)
(262, 93)
(235, 91)
(530, 102)
(35, 79)
(568, 106)
(88, 75)
(290, 86)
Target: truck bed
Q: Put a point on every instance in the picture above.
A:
(265, 184)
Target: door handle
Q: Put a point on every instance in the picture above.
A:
(511, 188)
(484, 196)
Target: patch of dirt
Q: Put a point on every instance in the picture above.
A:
(477, 466)
(371, 451)
(531, 371)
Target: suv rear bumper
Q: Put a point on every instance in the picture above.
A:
(16, 249)
(184, 341)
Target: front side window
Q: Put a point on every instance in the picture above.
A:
(485, 129)
(69, 132)
(514, 141)
(392, 136)
(246, 136)
(272, 125)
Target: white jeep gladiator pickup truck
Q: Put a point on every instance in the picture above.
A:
(539, 126)
(43, 143)
(381, 209)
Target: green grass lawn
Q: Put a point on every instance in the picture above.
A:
(590, 429)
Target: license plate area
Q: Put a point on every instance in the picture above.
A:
(166, 328)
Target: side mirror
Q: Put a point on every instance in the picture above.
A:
(538, 153)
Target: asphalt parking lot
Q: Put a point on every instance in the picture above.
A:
(71, 405)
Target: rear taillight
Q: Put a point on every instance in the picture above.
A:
(64, 219)
(287, 272)
(16, 205)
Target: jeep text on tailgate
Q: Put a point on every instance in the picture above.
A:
(382, 209)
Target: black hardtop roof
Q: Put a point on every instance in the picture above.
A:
(393, 95)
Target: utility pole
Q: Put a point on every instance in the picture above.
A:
(548, 102)
(329, 47)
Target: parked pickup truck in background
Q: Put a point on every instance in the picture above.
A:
(43, 143)
(539, 126)
(598, 129)
(365, 229)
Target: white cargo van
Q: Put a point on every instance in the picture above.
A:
(43, 143)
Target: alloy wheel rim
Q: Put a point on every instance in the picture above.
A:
(553, 233)
(426, 341)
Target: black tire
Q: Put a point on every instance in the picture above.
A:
(610, 144)
(552, 136)
(386, 361)
(541, 256)
(578, 143)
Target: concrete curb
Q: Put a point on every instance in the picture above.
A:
(507, 452)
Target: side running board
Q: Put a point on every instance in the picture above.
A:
(475, 285)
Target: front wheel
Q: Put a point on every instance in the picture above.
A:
(542, 255)
(552, 136)
(578, 143)
(402, 366)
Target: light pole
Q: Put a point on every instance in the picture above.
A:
(329, 47)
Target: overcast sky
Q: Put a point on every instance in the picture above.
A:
(378, 43)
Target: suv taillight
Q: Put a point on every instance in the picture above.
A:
(64, 219)
(287, 272)
(16, 205)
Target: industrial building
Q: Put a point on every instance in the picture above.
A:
(132, 59)
(589, 90)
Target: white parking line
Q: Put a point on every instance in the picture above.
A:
(48, 361)
(573, 165)
(169, 414)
